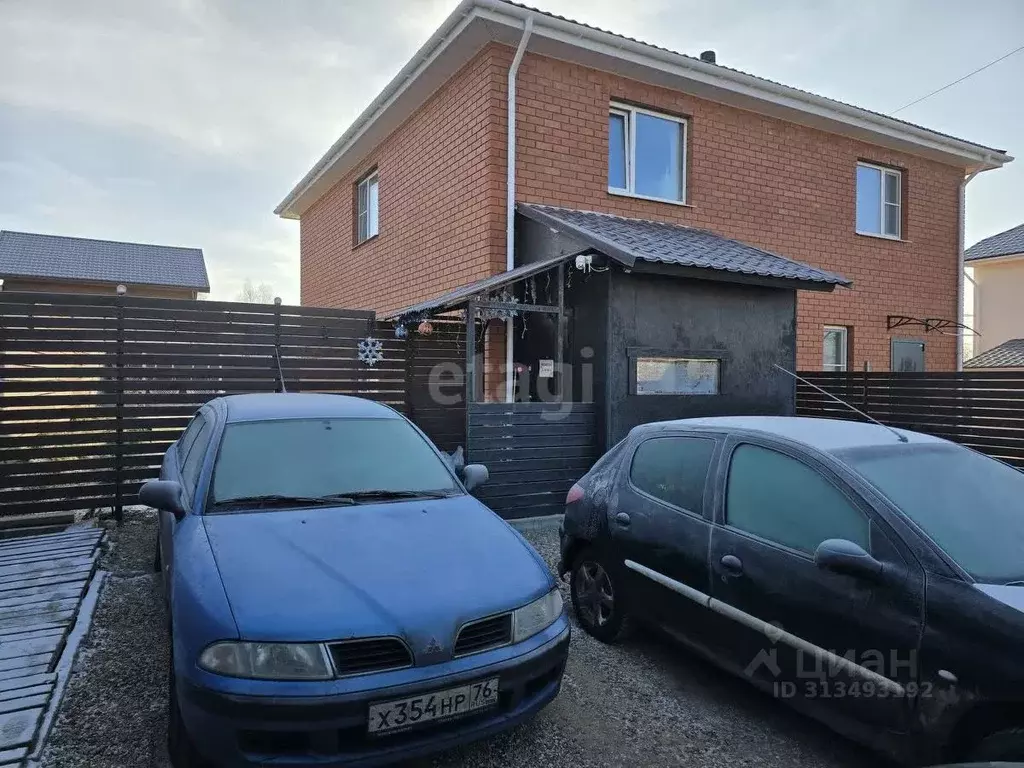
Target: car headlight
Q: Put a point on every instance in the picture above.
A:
(537, 616)
(269, 661)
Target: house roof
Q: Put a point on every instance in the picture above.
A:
(632, 240)
(1005, 243)
(53, 257)
(1009, 354)
(474, 23)
(461, 296)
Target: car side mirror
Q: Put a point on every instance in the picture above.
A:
(842, 556)
(474, 475)
(164, 495)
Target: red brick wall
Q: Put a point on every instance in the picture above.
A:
(780, 186)
(441, 204)
(776, 185)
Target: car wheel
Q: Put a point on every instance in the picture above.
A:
(1006, 745)
(180, 747)
(597, 603)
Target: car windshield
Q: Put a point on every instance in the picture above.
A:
(970, 505)
(303, 460)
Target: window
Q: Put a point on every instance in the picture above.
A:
(907, 356)
(194, 460)
(879, 201)
(367, 196)
(646, 154)
(321, 457)
(188, 437)
(673, 469)
(969, 504)
(783, 500)
(835, 352)
(676, 376)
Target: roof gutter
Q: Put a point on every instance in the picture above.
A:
(510, 189)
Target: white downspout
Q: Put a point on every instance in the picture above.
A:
(961, 266)
(510, 187)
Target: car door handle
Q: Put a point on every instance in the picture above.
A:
(622, 519)
(732, 565)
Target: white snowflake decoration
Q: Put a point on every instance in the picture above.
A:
(371, 351)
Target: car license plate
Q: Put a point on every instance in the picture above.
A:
(396, 715)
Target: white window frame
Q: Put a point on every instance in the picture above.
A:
(629, 113)
(882, 203)
(844, 357)
(371, 178)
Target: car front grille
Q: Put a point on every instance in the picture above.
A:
(483, 634)
(357, 657)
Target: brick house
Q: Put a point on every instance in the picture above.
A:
(416, 198)
(57, 264)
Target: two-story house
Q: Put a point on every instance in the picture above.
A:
(507, 105)
(997, 264)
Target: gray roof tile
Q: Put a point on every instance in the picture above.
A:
(1009, 354)
(1005, 243)
(55, 257)
(630, 240)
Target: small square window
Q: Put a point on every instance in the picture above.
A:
(367, 198)
(677, 376)
(879, 201)
(835, 351)
(646, 154)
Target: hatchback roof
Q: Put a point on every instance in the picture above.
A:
(295, 405)
(824, 434)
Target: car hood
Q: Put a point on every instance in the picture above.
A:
(416, 569)
(1007, 594)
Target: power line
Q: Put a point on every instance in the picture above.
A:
(950, 85)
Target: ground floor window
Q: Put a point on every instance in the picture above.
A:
(907, 356)
(676, 376)
(835, 348)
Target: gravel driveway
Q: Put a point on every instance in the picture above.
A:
(642, 703)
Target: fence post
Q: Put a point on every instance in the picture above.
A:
(276, 362)
(119, 410)
(410, 375)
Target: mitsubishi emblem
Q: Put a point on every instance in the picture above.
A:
(433, 646)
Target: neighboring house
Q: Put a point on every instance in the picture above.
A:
(1008, 356)
(56, 264)
(414, 199)
(997, 264)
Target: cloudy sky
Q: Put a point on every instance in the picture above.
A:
(184, 122)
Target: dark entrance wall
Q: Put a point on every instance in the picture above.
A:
(750, 327)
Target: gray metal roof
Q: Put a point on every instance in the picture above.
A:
(53, 257)
(823, 434)
(632, 240)
(1004, 244)
(1009, 354)
(462, 295)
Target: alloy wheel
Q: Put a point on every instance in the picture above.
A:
(594, 595)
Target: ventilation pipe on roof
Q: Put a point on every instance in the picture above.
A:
(708, 57)
(510, 203)
(961, 266)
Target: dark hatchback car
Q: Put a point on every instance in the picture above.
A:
(873, 578)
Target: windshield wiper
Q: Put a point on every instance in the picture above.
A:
(275, 499)
(382, 494)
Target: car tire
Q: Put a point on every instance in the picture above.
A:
(180, 746)
(595, 597)
(1006, 745)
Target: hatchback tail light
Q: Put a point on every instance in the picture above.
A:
(575, 494)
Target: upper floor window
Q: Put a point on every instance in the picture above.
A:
(646, 154)
(366, 196)
(879, 201)
(835, 348)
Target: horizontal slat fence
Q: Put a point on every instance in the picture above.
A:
(436, 382)
(533, 451)
(980, 409)
(93, 389)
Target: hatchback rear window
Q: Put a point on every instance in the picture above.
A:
(324, 457)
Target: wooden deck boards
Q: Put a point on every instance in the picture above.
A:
(43, 579)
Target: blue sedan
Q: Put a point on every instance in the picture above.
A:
(336, 596)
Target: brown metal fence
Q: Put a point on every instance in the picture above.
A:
(980, 409)
(93, 389)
